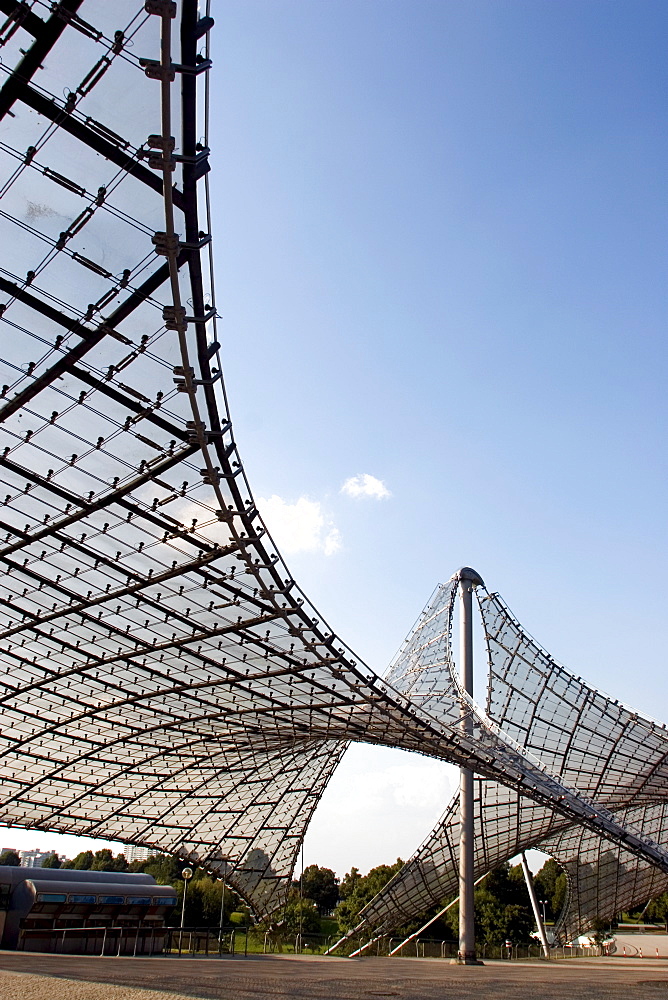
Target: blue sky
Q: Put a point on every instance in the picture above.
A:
(441, 246)
(440, 235)
(441, 253)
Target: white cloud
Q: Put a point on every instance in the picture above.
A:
(365, 485)
(332, 541)
(300, 526)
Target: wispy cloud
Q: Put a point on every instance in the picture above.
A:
(365, 485)
(300, 526)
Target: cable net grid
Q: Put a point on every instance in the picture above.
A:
(603, 881)
(594, 744)
(165, 681)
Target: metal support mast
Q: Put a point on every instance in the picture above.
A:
(468, 579)
(534, 903)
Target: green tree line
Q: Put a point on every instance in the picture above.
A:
(320, 903)
(502, 905)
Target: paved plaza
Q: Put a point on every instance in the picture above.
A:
(55, 977)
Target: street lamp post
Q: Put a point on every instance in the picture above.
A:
(186, 874)
(222, 910)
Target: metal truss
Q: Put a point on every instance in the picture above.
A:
(163, 680)
(608, 752)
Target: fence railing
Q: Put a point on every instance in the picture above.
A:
(206, 941)
(516, 952)
(94, 940)
(432, 948)
(145, 940)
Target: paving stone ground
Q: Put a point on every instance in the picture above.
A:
(25, 976)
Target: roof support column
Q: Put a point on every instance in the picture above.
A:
(468, 579)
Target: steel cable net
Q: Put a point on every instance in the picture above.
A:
(604, 881)
(608, 752)
(164, 680)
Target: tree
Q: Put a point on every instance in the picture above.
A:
(51, 861)
(165, 868)
(203, 898)
(10, 858)
(300, 915)
(104, 861)
(101, 861)
(319, 885)
(203, 895)
(82, 862)
(551, 885)
(356, 890)
(599, 932)
(502, 908)
(348, 883)
(656, 910)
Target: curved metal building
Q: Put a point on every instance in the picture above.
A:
(163, 680)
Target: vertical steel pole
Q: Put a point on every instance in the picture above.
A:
(183, 913)
(222, 912)
(301, 902)
(466, 919)
(185, 875)
(534, 903)
(468, 579)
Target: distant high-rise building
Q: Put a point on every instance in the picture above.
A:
(133, 853)
(33, 859)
